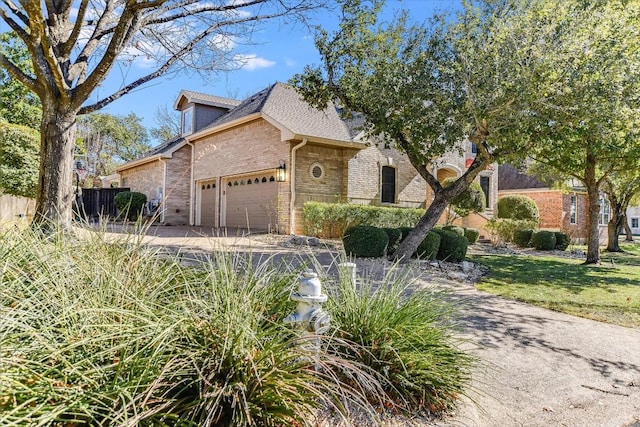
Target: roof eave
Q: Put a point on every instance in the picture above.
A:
(141, 161)
(328, 141)
(209, 131)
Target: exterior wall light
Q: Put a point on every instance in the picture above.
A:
(281, 172)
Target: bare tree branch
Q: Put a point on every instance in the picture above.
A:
(16, 11)
(16, 73)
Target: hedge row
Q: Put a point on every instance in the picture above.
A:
(372, 242)
(542, 240)
(330, 220)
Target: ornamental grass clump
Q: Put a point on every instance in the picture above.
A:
(115, 333)
(407, 335)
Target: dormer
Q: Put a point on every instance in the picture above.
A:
(199, 109)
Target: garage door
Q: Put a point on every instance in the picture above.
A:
(251, 202)
(208, 203)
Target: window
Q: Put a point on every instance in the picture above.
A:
(573, 210)
(605, 212)
(634, 222)
(485, 185)
(388, 184)
(187, 121)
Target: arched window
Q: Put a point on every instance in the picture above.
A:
(388, 183)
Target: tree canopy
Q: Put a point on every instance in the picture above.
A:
(19, 146)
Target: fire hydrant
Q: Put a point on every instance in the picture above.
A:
(309, 315)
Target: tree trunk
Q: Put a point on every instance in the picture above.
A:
(56, 192)
(614, 226)
(627, 229)
(593, 196)
(410, 244)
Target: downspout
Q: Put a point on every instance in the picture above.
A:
(192, 208)
(292, 208)
(164, 189)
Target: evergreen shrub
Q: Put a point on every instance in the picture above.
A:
(429, 247)
(472, 235)
(455, 229)
(332, 219)
(130, 203)
(563, 240)
(453, 247)
(518, 207)
(543, 240)
(365, 241)
(522, 238)
(394, 235)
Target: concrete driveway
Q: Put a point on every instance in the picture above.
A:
(539, 367)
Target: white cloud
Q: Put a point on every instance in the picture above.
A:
(252, 62)
(290, 62)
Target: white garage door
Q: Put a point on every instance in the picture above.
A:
(208, 203)
(251, 202)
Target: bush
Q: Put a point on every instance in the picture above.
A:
(453, 247)
(404, 334)
(130, 204)
(472, 235)
(19, 160)
(365, 241)
(503, 230)
(404, 232)
(394, 235)
(543, 240)
(518, 207)
(429, 247)
(522, 238)
(455, 229)
(563, 240)
(332, 219)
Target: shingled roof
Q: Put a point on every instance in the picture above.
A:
(205, 99)
(510, 178)
(282, 103)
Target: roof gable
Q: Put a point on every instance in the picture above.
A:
(188, 96)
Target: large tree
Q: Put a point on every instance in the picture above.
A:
(427, 89)
(18, 105)
(112, 140)
(588, 120)
(73, 45)
(622, 189)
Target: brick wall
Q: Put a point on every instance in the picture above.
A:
(252, 147)
(176, 203)
(146, 178)
(364, 170)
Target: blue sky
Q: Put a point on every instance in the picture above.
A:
(279, 53)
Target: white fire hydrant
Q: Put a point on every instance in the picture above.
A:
(309, 315)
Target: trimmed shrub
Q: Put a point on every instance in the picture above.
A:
(429, 247)
(394, 235)
(405, 232)
(455, 229)
(563, 240)
(472, 235)
(522, 238)
(543, 240)
(503, 230)
(518, 207)
(332, 219)
(365, 241)
(130, 204)
(453, 247)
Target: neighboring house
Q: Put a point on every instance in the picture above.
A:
(253, 164)
(633, 217)
(563, 210)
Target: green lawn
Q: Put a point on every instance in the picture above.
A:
(609, 292)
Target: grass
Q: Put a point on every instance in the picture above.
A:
(609, 292)
(115, 333)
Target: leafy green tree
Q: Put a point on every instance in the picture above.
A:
(112, 140)
(429, 89)
(622, 189)
(469, 201)
(18, 105)
(74, 45)
(19, 146)
(587, 120)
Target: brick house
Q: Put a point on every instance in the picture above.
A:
(562, 210)
(253, 164)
